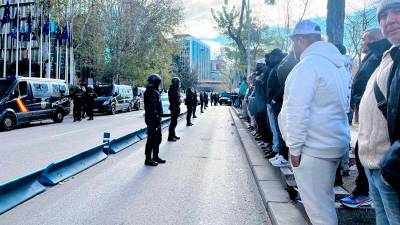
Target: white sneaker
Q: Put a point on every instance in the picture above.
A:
(274, 158)
(280, 162)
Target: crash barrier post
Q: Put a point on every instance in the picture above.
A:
(106, 142)
(124, 142)
(19, 190)
(64, 169)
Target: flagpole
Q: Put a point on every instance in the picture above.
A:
(17, 56)
(57, 51)
(5, 51)
(30, 44)
(41, 43)
(66, 59)
(71, 53)
(49, 57)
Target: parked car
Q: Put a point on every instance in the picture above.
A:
(23, 100)
(225, 99)
(165, 104)
(115, 98)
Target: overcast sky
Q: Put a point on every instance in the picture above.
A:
(199, 21)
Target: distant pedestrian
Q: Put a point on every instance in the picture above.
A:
(78, 101)
(201, 102)
(194, 104)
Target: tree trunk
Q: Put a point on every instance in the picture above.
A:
(335, 21)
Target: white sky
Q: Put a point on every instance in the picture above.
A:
(199, 21)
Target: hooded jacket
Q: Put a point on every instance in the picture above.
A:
(368, 66)
(313, 119)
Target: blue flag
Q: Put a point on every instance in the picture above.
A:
(6, 15)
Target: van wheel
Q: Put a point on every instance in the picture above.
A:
(8, 123)
(129, 108)
(113, 109)
(58, 117)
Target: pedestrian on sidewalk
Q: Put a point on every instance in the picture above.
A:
(152, 117)
(374, 44)
(374, 138)
(313, 120)
(174, 97)
(189, 105)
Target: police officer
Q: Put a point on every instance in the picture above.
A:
(83, 110)
(90, 96)
(174, 97)
(201, 102)
(189, 105)
(205, 100)
(152, 115)
(77, 97)
(194, 103)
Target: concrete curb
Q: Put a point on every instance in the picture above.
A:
(276, 200)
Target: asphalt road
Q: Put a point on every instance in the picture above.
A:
(30, 148)
(206, 180)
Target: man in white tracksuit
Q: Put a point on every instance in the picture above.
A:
(313, 120)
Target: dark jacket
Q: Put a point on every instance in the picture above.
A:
(189, 97)
(174, 98)
(201, 97)
(260, 101)
(90, 96)
(195, 99)
(152, 108)
(367, 68)
(283, 71)
(391, 167)
(273, 82)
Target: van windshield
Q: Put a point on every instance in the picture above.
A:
(4, 86)
(104, 91)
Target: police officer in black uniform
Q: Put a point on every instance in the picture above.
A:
(189, 105)
(152, 116)
(194, 103)
(201, 102)
(78, 100)
(89, 100)
(174, 97)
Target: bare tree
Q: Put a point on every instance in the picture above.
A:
(335, 21)
(356, 24)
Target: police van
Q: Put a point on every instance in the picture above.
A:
(112, 98)
(23, 100)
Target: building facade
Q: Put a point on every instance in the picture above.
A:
(196, 55)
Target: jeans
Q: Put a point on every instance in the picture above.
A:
(385, 199)
(273, 122)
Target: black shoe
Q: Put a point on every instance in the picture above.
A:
(159, 160)
(150, 163)
(189, 124)
(270, 155)
(177, 138)
(194, 117)
(171, 139)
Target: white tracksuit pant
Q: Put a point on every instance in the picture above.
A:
(315, 178)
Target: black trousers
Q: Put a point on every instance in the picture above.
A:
(194, 110)
(77, 111)
(201, 106)
(263, 127)
(362, 186)
(189, 114)
(174, 123)
(154, 138)
(89, 111)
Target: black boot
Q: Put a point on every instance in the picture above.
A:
(159, 160)
(172, 139)
(149, 162)
(176, 137)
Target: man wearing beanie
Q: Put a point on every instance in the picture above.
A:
(373, 140)
(313, 120)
